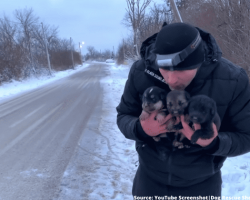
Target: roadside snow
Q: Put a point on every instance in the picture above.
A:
(114, 177)
(120, 151)
(9, 90)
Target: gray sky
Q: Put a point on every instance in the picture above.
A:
(96, 22)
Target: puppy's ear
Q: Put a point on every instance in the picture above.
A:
(212, 111)
(186, 111)
(163, 96)
(213, 108)
(187, 95)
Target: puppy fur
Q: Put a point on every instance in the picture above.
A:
(177, 102)
(153, 99)
(202, 110)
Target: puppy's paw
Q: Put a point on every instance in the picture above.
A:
(163, 135)
(176, 143)
(144, 115)
(178, 126)
(157, 139)
(181, 146)
(160, 118)
(197, 134)
(171, 124)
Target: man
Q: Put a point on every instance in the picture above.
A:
(182, 57)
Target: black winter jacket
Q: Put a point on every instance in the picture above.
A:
(218, 78)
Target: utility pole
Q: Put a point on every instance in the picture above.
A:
(175, 11)
(80, 52)
(72, 53)
(45, 41)
(123, 51)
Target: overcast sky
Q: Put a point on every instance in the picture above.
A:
(96, 22)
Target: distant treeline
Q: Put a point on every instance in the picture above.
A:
(22, 47)
(94, 54)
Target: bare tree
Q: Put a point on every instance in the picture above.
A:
(134, 17)
(228, 21)
(232, 26)
(150, 23)
(91, 51)
(10, 52)
(107, 54)
(126, 49)
(22, 50)
(154, 20)
(27, 21)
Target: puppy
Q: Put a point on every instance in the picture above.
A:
(177, 102)
(202, 110)
(153, 99)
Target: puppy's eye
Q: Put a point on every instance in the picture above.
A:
(169, 104)
(180, 103)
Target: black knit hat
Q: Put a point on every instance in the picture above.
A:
(174, 38)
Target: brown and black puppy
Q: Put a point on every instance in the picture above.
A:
(177, 102)
(202, 110)
(153, 99)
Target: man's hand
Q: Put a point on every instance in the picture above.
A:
(153, 127)
(188, 132)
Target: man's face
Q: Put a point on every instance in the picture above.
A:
(178, 80)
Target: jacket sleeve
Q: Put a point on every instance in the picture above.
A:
(237, 141)
(129, 111)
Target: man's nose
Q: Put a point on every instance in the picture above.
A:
(172, 78)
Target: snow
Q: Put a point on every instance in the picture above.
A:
(120, 151)
(16, 87)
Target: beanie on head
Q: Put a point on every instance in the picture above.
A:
(174, 38)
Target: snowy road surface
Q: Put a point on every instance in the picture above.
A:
(40, 131)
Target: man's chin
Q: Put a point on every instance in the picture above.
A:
(182, 87)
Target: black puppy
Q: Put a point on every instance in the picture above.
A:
(177, 102)
(202, 110)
